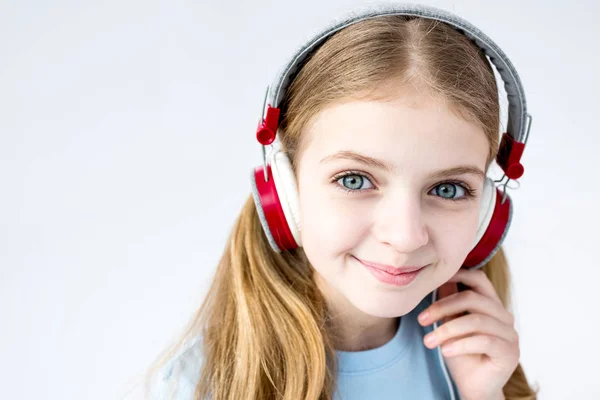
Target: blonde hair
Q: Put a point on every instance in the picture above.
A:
(263, 321)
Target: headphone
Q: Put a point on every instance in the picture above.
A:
(274, 187)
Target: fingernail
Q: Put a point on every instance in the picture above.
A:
(424, 316)
(430, 339)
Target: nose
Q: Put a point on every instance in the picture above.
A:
(399, 222)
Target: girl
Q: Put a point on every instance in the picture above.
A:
(389, 126)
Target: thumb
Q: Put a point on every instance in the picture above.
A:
(446, 290)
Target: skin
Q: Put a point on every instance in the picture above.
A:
(398, 217)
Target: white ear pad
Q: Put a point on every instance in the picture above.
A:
(287, 190)
(486, 208)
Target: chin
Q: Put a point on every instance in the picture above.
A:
(386, 304)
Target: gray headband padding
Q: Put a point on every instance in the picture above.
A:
(517, 106)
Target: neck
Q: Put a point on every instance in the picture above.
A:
(350, 328)
(348, 337)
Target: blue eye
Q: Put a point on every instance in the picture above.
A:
(448, 191)
(353, 182)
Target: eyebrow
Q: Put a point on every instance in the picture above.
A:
(384, 165)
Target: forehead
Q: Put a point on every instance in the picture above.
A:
(406, 131)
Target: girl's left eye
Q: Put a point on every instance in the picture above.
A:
(448, 191)
(353, 183)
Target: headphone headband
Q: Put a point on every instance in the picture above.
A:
(519, 121)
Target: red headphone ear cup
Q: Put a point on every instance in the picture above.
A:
(270, 212)
(495, 232)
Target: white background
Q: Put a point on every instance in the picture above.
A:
(126, 140)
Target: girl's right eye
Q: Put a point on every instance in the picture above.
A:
(351, 182)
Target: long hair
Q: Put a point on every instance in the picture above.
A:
(263, 322)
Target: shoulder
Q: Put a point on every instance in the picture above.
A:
(178, 378)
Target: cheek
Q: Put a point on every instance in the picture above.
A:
(328, 222)
(454, 235)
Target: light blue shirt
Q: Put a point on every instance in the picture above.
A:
(403, 368)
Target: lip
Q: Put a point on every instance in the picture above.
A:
(390, 269)
(402, 278)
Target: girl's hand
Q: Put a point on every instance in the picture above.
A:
(481, 348)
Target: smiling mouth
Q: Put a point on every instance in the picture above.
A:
(390, 269)
(398, 277)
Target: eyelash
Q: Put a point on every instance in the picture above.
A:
(469, 193)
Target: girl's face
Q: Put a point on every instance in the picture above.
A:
(372, 188)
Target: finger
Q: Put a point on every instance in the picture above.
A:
(446, 290)
(468, 325)
(478, 281)
(493, 347)
(465, 301)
